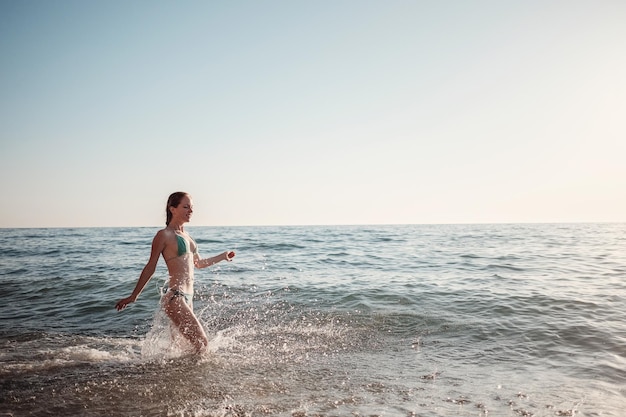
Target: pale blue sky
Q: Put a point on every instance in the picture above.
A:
(319, 112)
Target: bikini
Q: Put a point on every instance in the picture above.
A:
(183, 249)
(178, 293)
(184, 246)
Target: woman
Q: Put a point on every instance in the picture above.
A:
(180, 253)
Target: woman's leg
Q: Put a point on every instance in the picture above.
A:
(186, 322)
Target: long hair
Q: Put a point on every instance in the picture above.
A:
(173, 201)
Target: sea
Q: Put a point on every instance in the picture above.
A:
(483, 320)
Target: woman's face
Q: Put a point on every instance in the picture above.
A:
(184, 210)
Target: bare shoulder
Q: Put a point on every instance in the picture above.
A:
(162, 236)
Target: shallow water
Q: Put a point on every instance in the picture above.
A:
(451, 320)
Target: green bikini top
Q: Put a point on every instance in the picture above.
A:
(184, 246)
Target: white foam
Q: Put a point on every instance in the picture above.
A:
(64, 351)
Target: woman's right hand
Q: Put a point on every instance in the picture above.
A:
(121, 305)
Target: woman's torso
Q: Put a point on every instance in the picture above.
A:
(179, 253)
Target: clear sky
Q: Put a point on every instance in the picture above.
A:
(312, 112)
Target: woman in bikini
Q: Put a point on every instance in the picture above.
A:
(180, 253)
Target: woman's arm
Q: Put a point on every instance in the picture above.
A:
(158, 244)
(206, 262)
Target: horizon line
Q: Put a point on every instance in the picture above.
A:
(326, 225)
